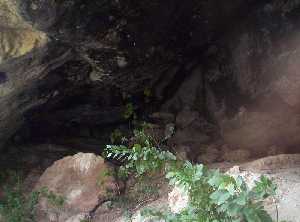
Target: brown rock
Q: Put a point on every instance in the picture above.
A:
(163, 117)
(81, 180)
(275, 150)
(237, 155)
(186, 117)
(182, 152)
(281, 161)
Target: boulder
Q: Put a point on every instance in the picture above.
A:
(83, 180)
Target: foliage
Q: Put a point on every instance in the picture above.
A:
(147, 94)
(129, 111)
(116, 136)
(15, 207)
(141, 158)
(18, 207)
(213, 196)
(56, 201)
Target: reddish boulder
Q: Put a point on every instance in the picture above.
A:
(83, 180)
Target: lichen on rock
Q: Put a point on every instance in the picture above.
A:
(17, 36)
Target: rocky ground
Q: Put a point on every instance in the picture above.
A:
(286, 205)
(78, 177)
(92, 191)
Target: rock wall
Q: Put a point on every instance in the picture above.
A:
(247, 82)
(68, 64)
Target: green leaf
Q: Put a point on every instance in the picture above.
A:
(219, 197)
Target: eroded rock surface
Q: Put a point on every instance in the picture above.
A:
(17, 36)
(234, 65)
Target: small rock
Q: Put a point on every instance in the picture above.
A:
(169, 130)
(234, 170)
(121, 61)
(34, 6)
(249, 177)
(178, 199)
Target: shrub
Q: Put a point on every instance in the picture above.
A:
(18, 207)
(213, 196)
(15, 206)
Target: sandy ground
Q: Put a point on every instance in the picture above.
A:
(288, 194)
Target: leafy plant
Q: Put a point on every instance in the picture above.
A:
(141, 158)
(55, 200)
(116, 136)
(147, 94)
(129, 111)
(15, 206)
(213, 196)
(18, 207)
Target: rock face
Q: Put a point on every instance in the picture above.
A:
(234, 64)
(83, 180)
(264, 61)
(250, 86)
(45, 63)
(17, 36)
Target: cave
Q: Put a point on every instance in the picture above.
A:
(225, 75)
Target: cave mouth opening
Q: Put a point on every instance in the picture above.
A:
(79, 121)
(48, 137)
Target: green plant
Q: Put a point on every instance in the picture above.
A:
(147, 94)
(217, 197)
(213, 196)
(103, 176)
(15, 206)
(129, 111)
(55, 200)
(141, 158)
(116, 136)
